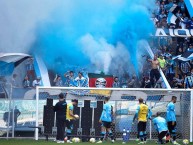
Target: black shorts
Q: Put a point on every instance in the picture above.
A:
(171, 127)
(142, 126)
(106, 124)
(162, 134)
(69, 124)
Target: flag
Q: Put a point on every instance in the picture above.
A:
(100, 81)
(186, 56)
(172, 9)
(189, 5)
(171, 19)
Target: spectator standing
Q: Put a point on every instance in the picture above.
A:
(69, 78)
(181, 4)
(191, 23)
(184, 21)
(26, 82)
(157, 8)
(146, 82)
(191, 64)
(30, 69)
(163, 42)
(116, 83)
(191, 72)
(58, 81)
(179, 14)
(36, 82)
(167, 54)
(162, 15)
(154, 73)
(178, 81)
(13, 80)
(185, 67)
(132, 83)
(188, 82)
(190, 47)
(80, 80)
(170, 69)
(162, 6)
(179, 51)
(162, 62)
(154, 19)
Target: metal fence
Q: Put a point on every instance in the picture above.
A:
(124, 102)
(18, 118)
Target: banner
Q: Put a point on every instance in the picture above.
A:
(173, 32)
(100, 81)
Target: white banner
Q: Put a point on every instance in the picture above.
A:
(173, 32)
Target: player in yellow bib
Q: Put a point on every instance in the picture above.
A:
(70, 117)
(142, 114)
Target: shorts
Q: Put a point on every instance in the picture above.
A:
(142, 126)
(69, 124)
(162, 134)
(106, 124)
(171, 127)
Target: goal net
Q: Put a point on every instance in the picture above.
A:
(124, 102)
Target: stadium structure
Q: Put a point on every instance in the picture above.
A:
(30, 102)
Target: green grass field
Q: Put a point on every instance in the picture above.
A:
(43, 142)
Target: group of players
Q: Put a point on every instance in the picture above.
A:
(165, 127)
(64, 116)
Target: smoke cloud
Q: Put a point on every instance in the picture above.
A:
(103, 35)
(19, 21)
(102, 54)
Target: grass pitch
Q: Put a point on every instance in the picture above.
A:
(43, 142)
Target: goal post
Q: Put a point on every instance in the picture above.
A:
(124, 102)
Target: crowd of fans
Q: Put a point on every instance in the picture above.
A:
(160, 14)
(30, 79)
(70, 80)
(178, 73)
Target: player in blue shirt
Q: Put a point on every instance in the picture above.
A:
(160, 125)
(171, 119)
(106, 120)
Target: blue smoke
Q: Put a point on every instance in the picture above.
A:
(116, 21)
